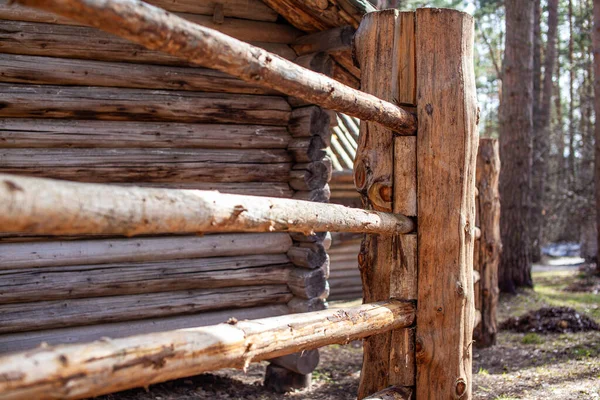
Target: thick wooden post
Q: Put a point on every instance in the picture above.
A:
(490, 245)
(446, 156)
(385, 175)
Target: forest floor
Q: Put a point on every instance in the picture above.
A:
(520, 366)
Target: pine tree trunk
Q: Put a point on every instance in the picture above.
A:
(538, 136)
(515, 145)
(571, 160)
(596, 46)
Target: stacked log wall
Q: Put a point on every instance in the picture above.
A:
(82, 105)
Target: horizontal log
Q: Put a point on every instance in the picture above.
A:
(316, 195)
(23, 317)
(344, 194)
(300, 305)
(317, 62)
(303, 362)
(342, 75)
(316, 237)
(71, 208)
(148, 165)
(65, 71)
(351, 281)
(310, 176)
(35, 39)
(344, 176)
(20, 341)
(204, 46)
(86, 252)
(81, 281)
(270, 189)
(112, 365)
(346, 294)
(336, 39)
(307, 284)
(243, 29)
(247, 9)
(141, 105)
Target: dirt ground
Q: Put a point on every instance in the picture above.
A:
(521, 365)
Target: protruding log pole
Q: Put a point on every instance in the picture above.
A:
(385, 175)
(106, 366)
(49, 207)
(490, 245)
(156, 29)
(446, 158)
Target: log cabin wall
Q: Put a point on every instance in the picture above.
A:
(82, 105)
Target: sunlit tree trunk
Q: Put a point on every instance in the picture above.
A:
(516, 126)
(596, 45)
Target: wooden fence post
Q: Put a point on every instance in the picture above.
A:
(421, 59)
(446, 159)
(490, 245)
(385, 175)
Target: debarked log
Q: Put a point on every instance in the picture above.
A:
(159, 30)
(84, 370)
(49, 207)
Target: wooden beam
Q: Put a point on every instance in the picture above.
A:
(21, 317)
(78, 102)
(85, 370)
(157, 30)
(107, 251)
(446, 156)
(71, 208)
(29, 70)
(51, 133)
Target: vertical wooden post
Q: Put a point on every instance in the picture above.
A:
(490, 245)
(385, 175)
(446, 156)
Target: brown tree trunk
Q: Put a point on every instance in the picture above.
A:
(542, 136)
(515, 145)
(538, 136)
(571, 161)
(596, 46)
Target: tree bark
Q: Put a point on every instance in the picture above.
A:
(515, 145)
(596, 45)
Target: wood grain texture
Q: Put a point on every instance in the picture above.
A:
(23, 317)
(72, 102)
(247, 30)
(490, 244)
(66, 71)
(336, 39)
(71, 208)
(38, 39)
(203, 46)
(118, 364)
(446, 156)
(20, 341)
(52, 133)
(54, 254)
(81, 281)
(379, 256)
(148, 165)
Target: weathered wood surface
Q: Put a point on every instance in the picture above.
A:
(304, 150)
(49, 133)
(490, 244)
(79, 281)
(148, 165)
(20, 341)
(336, 39)
(247, 30)
(317, 62)
(21, 317)
(71, 208)
(446, 158)
(83, 42)
(387, 359)
(248, 9)
(204, 46)
(64, 71)
(112, 365)
(316, 195)
(307, 255)
(310, 121)
(142, 105)
(53, 254)
(281, 380)
(310, 176)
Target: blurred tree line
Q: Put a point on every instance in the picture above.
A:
(547, 181)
